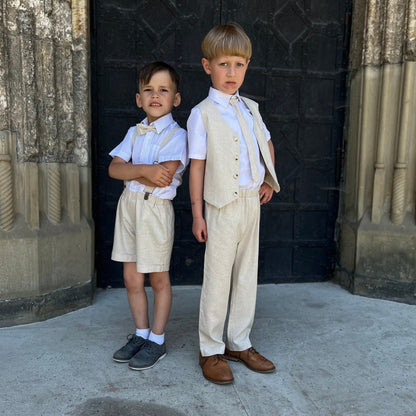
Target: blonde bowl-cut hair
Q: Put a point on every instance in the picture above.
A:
(229, 39)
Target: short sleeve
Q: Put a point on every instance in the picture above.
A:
(266, 131)
(197, 135)
(124, 149)
(175, 149)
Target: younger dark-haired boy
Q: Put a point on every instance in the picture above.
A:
(151, 159)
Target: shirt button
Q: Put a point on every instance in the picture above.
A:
(236, 139)
(235, 193)
(235, 176)
(236, 157)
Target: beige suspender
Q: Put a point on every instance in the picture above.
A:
(149, 189)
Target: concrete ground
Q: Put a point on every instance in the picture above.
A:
(335, 353)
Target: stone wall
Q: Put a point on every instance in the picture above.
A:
(46, 228)
(377, 250)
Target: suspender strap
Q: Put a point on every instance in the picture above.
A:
(149, 189)
(133, 140)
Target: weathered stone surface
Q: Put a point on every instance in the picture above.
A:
(46, 98)
(373, 36)
(4, 107)
(410, 44)
(46, 45)
(384, 31)
(81, 59)
(394, 35)
(46, 255)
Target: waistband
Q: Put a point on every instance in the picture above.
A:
(248, 193)
(127, 194)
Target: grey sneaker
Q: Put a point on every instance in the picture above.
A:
(148, 356)
(124, 354)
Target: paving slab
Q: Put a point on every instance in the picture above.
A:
(335, 353)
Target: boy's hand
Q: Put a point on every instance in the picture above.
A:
(265, 193)
(199, 229)
(159, 175)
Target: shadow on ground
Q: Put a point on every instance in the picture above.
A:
(107, 406)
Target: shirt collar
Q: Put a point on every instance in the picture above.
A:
(219, 97)
(161, 123)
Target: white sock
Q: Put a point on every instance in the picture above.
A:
(144, 333)
(159, 339)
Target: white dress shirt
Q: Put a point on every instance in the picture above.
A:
(146, 149)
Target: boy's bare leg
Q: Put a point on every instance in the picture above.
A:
(136, 295)
(155, 348)
(162, 300)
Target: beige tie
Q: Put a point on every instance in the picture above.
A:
(144, 128)
(248, 137)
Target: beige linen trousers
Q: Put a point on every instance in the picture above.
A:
(230, 274)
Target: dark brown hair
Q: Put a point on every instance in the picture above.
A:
(149, 70)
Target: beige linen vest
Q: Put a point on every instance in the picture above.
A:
(223, 152)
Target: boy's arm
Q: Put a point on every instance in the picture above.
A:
(175, 148)
(266, 191)
(196, 187)
(171, 165)
(271, 149)
(157, 175)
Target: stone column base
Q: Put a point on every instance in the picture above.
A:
(45, 272)
(38, 308)
(378, 260)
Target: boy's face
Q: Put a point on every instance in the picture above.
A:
(158, 97)
(227, 72)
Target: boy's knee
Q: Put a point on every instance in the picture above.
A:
(160, 281)
(132, 279)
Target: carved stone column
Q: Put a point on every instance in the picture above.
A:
(46, 228)
(6, 185)
(377, 245)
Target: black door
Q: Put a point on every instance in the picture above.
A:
(297, 74)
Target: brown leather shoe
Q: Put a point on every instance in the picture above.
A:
(252, 359)
(216, 369)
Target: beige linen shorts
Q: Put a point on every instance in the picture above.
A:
(143, 232)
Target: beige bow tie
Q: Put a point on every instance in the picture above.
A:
(144, 128)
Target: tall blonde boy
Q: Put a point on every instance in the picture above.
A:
(151, 158)
(232, 170)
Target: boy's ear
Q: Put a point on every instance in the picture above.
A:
(138, 100)
(206, 65)
(177, 99)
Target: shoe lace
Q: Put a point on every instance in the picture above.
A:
(132, 339)
(218, 357)
(150, 349)
(252, 351)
